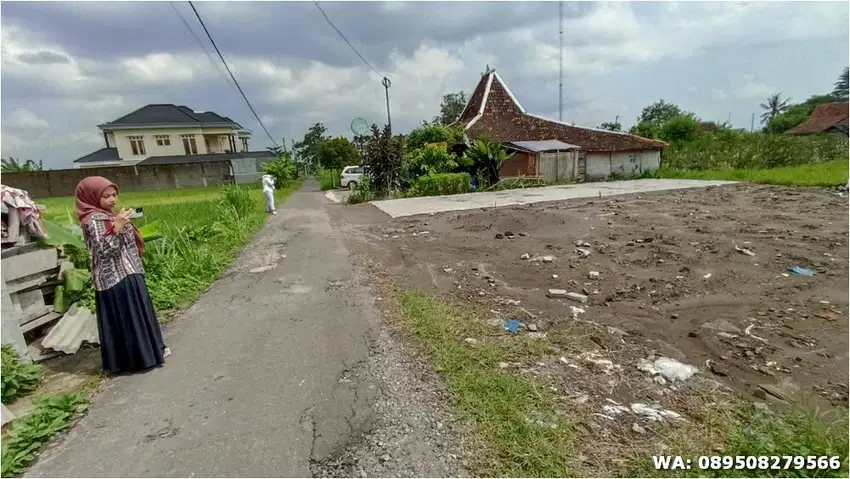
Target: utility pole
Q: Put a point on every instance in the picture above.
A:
(561, 61)
(387, 83)
(752, 122)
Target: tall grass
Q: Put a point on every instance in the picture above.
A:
(328, 179)
(732, 150)
(819, 174)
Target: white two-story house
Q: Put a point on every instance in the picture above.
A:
(166, 133)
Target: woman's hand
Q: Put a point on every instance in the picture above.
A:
(121, 220)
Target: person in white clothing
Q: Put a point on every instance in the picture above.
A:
(268, 192)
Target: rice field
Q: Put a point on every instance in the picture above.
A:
(202, 228)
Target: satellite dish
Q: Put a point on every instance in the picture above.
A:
(359, 127)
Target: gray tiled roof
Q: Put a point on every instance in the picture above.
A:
(169, 114)
(101, 155)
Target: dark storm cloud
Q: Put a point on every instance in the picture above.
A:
(279, 30)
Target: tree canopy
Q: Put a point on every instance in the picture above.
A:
(336, 153)
(451, 107)
(307, 147)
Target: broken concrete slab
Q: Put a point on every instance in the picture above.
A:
(577, 297)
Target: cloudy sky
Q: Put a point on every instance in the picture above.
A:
(68, 66)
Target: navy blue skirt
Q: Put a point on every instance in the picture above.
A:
(130, 336)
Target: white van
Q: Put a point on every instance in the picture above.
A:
(351, 176)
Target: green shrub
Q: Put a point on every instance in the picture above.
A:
(440, 184)
(724, 150)
(283, 170)
(429, 159)
(682, 128)
(365, 191)
(328, 178)
(431, 133)
(18, 376)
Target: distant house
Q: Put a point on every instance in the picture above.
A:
(166, 133)
(493, 111)
(828, 118)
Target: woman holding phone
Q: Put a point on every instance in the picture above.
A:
(130, 336)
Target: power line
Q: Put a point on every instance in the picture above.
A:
(346, 41)
(200, 43)
(384, 80)
(201, 21)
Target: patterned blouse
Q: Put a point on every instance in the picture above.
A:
(114, 256)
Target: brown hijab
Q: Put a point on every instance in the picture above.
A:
(88, 194)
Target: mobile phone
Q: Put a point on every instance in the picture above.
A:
(137, 213)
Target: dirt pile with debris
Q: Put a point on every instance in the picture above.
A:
(747, 283)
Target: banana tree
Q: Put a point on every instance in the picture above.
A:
(76, 284)
(486, 156)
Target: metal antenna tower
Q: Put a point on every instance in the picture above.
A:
(561, 61)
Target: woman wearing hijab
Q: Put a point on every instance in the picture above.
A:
(130, 336)
(268, 192)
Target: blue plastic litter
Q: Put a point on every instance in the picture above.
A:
(512, 325)
(801, 271)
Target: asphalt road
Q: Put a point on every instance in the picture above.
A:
(267, 372)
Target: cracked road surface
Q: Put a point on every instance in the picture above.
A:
(268, 370)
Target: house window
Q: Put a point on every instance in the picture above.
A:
(189, 144)
(244, 144)
(137, 144)
(163, 140)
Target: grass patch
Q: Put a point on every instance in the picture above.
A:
(819, 174)
(516, 421)
(328, 179)
(745, 430)
(514, 418)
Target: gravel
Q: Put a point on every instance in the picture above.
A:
(412, 435)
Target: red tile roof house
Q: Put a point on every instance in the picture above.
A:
(828, 118)
(493, 110)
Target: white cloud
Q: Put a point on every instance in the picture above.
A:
(753, 90)
(269, 120)
(23, 118)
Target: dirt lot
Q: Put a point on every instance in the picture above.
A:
(670, 283)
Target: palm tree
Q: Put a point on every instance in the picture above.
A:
(774, 106)
(842, 84)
